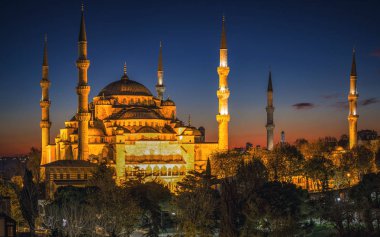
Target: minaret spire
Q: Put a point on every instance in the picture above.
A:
(160, 87)
(223, 40)
(223, 93)
(270, 109)
(352, 102)
(125, 76)
(83, 89)
(45, 123)
(82, 31)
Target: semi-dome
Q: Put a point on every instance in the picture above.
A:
(125, 87)
(168, 102)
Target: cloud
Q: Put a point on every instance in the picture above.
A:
(304, 105)
(365, 102)
(369, 101)
(375, 53)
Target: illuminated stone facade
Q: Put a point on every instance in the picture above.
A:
(130, 129)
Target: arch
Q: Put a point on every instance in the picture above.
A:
(148, 170)
(175, 171)
(164, 171)
(156, 171)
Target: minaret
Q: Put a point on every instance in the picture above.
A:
(83, 89)
(160, 88)
(223, 93)
(45, 123)
(352, 102)
(270, 110)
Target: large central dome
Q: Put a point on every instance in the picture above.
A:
(125, 87)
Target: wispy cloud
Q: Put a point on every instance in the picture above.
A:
(363, 103)
(303, 105)
(369, 101)
(375, 53)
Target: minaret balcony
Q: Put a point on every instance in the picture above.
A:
(353, 96)
(220, 118)
(83, 116)
(353, 117)
(44, 103)
(223, 71)
(45, 84)
(83, 90)
(83, 64)
(223, 94)
(45, 124)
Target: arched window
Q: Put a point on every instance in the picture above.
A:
(149, 171)
(175, 171)
(164, 171)
(156, 171)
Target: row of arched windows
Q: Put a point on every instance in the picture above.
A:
(156, 171)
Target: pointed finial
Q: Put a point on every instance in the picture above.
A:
(270, 87)
(189, 121)
(124, 77)
(82, 30)
(223, 40)
(353, 66)
(160, 65)
(45, 59)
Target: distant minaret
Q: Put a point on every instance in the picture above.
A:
(160, 88)
(282, 137)
(270, 110)
(83, 89)
(352, 102)
(45, 123)
(223, 93)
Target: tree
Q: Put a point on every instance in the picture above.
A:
(33, 164)
(117, 212)
(28, 198)
(196, 204)
(343, 141)
(70, 213)
(319, 169)
(8, 189)
(275, 209)
(377, 159)
(366, 196)
(364, 160)
(150, 197)
(285, 162)
(225, 164)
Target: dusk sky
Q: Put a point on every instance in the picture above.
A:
(307, 43)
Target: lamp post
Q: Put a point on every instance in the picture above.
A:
(349, 180)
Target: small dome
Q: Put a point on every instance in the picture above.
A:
(137, 113)
(147, 129)
(125, 87)
(168, 102)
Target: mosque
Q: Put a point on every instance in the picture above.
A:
(127, 127)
